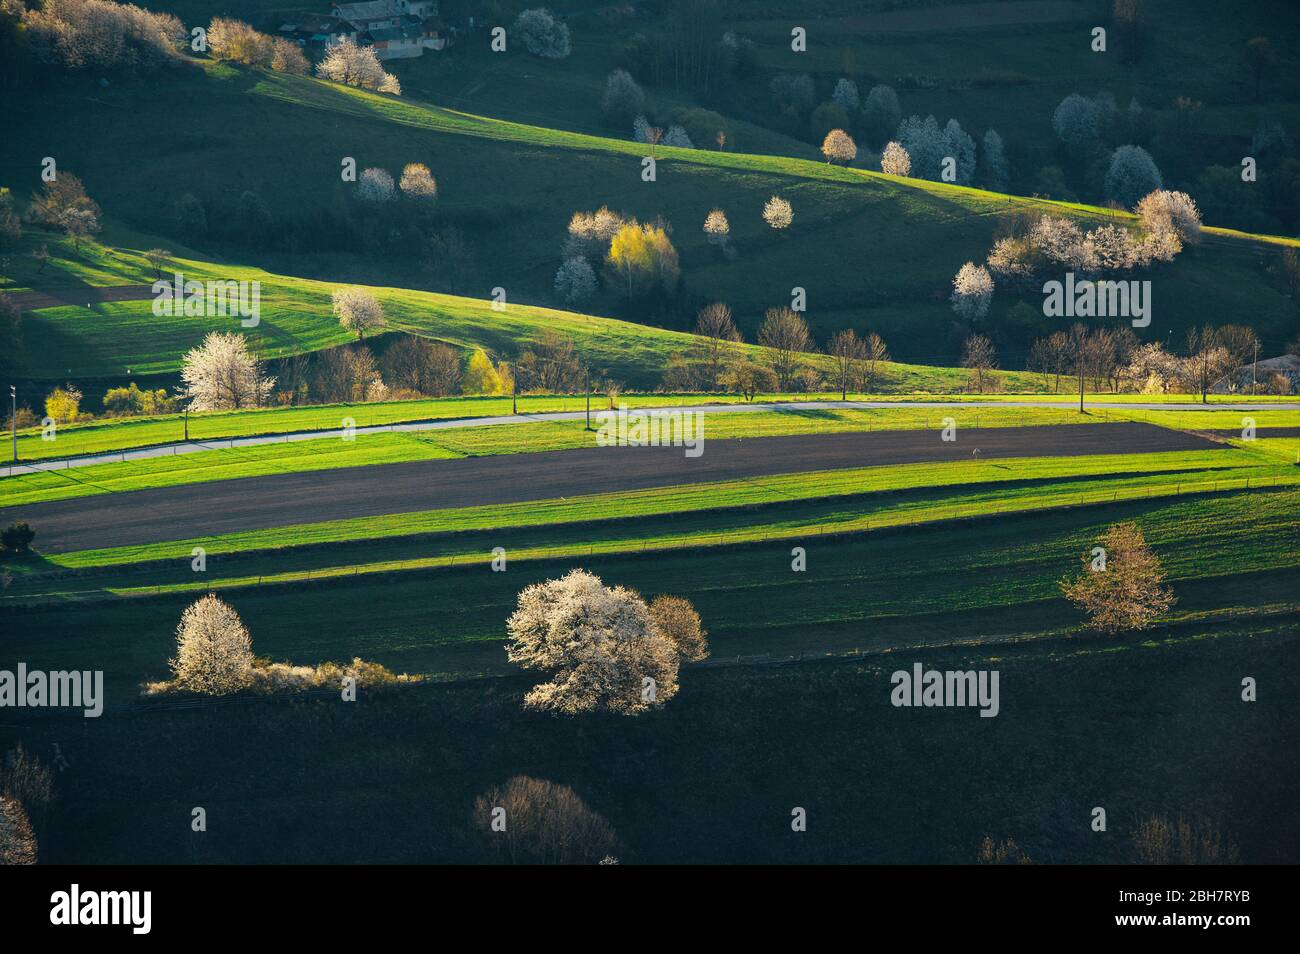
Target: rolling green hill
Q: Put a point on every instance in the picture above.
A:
(124, 339)
(872, 251)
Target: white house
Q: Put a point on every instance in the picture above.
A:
(397, 29)
(369, 15)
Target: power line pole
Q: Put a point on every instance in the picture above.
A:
(588, 398)
(13, 420)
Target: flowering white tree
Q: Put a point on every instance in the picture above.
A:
(716, 228)
(358, 310)
(1012, 261)
(356, 66)
(98, 34)
(288, 58)
(623, 97)
(1163, 210)
(838, 146)
(1077, 121)
(676, 136)
(895, 160)
(599, 644)
(1132, 175)
(543, 35)
(214, 653)
(236, 40)
(960, 146)
(777, 213)
(1111, 248)
(417, 182)
(222, 374)
(376, 185)
(972, 290)
(590, 232)
(928, 146)
(1061, 241)
(575, 280)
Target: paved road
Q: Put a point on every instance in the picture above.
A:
(792, 407)
(198, 510)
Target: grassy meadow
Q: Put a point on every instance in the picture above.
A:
(905, 237)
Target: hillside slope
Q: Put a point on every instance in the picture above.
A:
(120, 340)
(872, 251)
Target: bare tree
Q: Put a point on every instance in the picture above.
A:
(1079, 350)
(421, 365)
(1050, 357)
(849, 352)
(1207, 360)
(748, 379)
(157, 257)
(877, 353)
(550, 364)
(1159, 841)
(786, 334)
(979, 356)
(715, 326)
(533, 821)
(1122, 588)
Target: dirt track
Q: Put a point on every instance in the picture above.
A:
(79, 295)
(198, 510)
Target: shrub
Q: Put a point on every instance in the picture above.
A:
(545, 823)
(17, 537)
(131, 401)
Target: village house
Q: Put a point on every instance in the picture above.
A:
(397, 29)
(1252, 378)
(315, 31)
